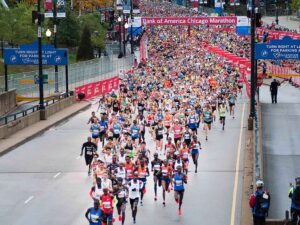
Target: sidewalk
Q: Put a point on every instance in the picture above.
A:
(284, 21)
(38, 128)
(281, 152)
(268, 81)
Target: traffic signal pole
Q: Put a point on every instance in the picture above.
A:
(40, 65)
(253, 69)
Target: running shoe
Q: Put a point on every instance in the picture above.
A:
(120, 218)
(179, 212)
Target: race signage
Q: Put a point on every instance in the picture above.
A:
(221, 20)
(287, 48)
(28, 55)
(98, 88)
(48, 6)
(61, 9)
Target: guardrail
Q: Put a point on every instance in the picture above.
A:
(257, 147)
(12, 117)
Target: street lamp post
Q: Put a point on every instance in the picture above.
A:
(120, 36)
(253, 68)
(276, 12)
(48, 34)
(40, 65)
(125, 29)
(131, 27)
(55, 42)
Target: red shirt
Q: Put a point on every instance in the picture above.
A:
(107, 204)
(129, 169)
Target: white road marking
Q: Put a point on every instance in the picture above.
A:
(78, 157)
(28, 200)
(237, 166)
(56, 175)
(285, 84)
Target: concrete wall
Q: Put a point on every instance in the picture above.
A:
(7, 101)
(15, 126)
(60, 105)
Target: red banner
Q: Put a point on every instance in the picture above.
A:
(277, 35)
(220, 20)
(98, 88)
(243, 63)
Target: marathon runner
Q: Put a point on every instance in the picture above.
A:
(90, 149)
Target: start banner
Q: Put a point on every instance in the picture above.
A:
(220, 20)
(98, 88)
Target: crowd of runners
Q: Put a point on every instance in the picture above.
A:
(171, 100)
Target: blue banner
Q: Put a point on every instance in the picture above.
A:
(126, 6)
(179, 2)
(287, 48)
(28, 55)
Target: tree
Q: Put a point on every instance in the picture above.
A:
(91, 5)
(15, 25)
(97, 30)
(85, 50)
(68, 32)
(295, 4)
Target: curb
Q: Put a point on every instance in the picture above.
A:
(247, 183)
(41, 131)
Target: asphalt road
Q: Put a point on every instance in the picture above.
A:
(281, 141)
(45, 182)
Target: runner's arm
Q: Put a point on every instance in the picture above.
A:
(82, 148)
(91, 192)
(87, 215)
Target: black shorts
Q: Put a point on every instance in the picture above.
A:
(133, 200)
(194, 129)
(188, 141)
(231, 104)
(159, 137)
(115, 110)
(176, 140)
(180, 192)
(168, 127)
(240, 87)
(102, 135)
(222, 117)
(207, 122)
(117, 136)
(213, 108)
(88, 159)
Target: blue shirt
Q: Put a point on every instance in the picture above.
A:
(103, 126)
(294, 204)
(178, 182)
(192, 122)
(135, 132)
(95, 216)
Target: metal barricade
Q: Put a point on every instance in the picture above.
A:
(26, 83)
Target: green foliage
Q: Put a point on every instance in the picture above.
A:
(68, 32)
(15, 25)
(97, 30)
(85, 50)
(295, 4)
